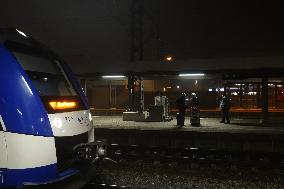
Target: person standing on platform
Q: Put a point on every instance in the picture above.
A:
(225, 105)
(181, 105)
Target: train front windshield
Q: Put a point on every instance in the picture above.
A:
(46, 75)
(50, 80)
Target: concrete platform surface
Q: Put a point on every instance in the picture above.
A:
(207, 125)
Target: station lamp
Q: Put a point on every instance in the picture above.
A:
(191, 74)
(112, 76)
(21, 33)
(169, 58)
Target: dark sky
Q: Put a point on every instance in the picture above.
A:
(98, 30)
(206, 28)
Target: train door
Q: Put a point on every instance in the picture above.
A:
(3, 151)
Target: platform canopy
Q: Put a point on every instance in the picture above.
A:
(250, 66)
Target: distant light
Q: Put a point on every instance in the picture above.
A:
(252, 93)
(233, 88)
(191, 74)
(168, 87)
(219, 89)
(169, 58)
(22, 33)
(113, 76)
(178, 87)
(195, 82)
(45, 78)
(210, 90)
(164, 89)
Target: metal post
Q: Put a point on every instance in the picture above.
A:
(130, 92)
(258, 95)
(141, 95)
(241, 95)
(136, 52)
(110, 95)
(265, 98)
(275, 96)
(136, 33)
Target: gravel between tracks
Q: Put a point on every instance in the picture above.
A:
(138, 175)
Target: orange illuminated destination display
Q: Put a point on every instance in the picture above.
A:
(61, 105)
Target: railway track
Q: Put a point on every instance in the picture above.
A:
(189, 158)
(200, 157)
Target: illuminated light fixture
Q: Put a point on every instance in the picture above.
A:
(168, 87)
(22, 33)
(191, 74)
(164, 89)
(177, 86)
(169, 58)
(57, 123)
(62, 105)
(112, 76)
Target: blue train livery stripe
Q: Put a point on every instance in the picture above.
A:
(14, 177)
(20, 105)
(34, 176)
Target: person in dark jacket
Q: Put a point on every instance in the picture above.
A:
(225, 105)
(181, 105)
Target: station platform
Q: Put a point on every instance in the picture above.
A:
(240, 135)
(275, 114)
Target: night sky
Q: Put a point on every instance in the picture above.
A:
(205, 28)
(98, 30)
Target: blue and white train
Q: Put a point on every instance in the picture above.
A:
(43, 113)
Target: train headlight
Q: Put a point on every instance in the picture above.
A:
(57, 123)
